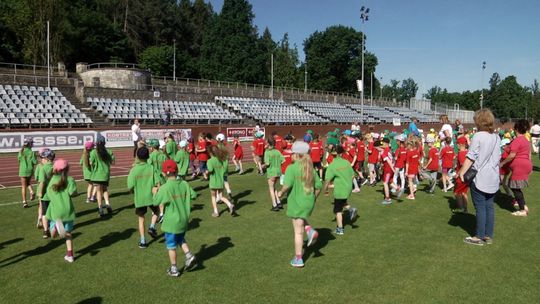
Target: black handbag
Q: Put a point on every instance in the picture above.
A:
(469, 176)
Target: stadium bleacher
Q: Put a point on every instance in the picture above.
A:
(30, 106)
(332, 111)
(269, 111)
(152, 111)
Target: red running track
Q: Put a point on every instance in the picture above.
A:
(124, 160)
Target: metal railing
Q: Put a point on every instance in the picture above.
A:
(115, 65)
(28, 69)
(37, 80)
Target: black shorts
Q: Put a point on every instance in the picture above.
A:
(317, 165)
(141, 211)
(44, 207)
(339, 204)
(101, 183)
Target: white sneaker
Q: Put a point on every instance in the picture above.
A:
(69, 259)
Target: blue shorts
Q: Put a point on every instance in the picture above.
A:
(173, 240)
(68, 226)
(225, 178)
(202, 166)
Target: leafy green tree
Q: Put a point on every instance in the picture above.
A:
(392, 90)
(408, 89)
(158, 59)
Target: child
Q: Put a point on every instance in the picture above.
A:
(156, 159)
(280, 144)
(170, 146)
(222, 145)
(216, 166)
(349, 154)
(87, 172)
(273, 160)
(43, 178)
(182, 159)
(504, 171)
(202, 154)
(388, 170)
(258, 151)
(432, 165)
(27, 161)
(192, 157)
(176, 195)
(304, 184)
(101, 160)
(238, 155)
(461, 189)
(61, 212)
(411, 166)
(360, 158)
(401, 158)
(142, 181)
(341, 174)
(316, 153)
(39, 166)
(287, 157)
(447, 158)
(373, 158)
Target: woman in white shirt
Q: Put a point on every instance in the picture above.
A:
(446, 130)
(135, 135)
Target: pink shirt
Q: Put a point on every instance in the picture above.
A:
(521, 165)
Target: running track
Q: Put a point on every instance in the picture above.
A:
(124, 160)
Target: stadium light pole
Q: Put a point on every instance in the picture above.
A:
(48, 57)
(380, 90)
(174, 60)
(364, 17)
(305, 77)
(482, 85)
(371, 90)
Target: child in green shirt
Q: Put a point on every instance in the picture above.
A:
(87, 171)
(182, 159)
(142, 182)
(170, 146)
(101, 160)
(177, 195)
(341, 174)
(61, 212)
(305, 185)
(216, 166)
(43, 178)
(27, 161)
(157, 157)
(272, 161)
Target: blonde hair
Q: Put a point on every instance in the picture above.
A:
(444, 118)
(307, 171)
(484, 120)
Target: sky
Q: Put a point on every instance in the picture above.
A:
(436, 42)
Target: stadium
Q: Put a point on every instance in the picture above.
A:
(412, 247)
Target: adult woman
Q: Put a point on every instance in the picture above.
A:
(446, 129)
(520, 164)
(484, 155)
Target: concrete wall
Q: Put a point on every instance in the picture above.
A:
(117, 78)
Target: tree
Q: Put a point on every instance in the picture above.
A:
(334, 61)
(286, 64)
(158, 59)
(433, 93)
(408, 89)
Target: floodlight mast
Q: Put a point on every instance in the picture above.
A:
(364, 16)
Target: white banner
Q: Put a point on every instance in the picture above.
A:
(244, 134)
(396, 122)
(122, 138)
(57, 140)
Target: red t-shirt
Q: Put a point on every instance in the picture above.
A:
(447, 156)
(279, 143)
(433, 156)
(316, 151)
(462, 155)
(360, 151)
(401, 157)
(346, 153)
(191, 151)
(287, 155)
(237, 146)
(201, 145)
(329, 158)
(413, 160)
(258, 147)
(387, 155)
(373, 157)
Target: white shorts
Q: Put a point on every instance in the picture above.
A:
(281, 179)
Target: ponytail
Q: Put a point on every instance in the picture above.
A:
(62, 183)
(307, 172)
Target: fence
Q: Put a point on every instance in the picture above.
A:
(425, 106)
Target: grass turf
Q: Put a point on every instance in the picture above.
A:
(409, 252)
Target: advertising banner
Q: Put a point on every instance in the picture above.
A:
(122, 138)
(244, 134)
(58, 140)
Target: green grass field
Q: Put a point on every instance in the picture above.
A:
(409, 252)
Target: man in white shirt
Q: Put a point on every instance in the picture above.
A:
(135, 135)
(535, 136)
(355, 126)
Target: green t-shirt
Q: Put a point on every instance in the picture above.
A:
(273, 159)
(156, 159)
(45, 175)
(61, 206)
(176, 195)
(170, 148)
(182, 160)
(101, 170)
(299, 203)
(341, 172)
(217, 170)
(87, 172)
(142, 179)
(27, 161)
(36, 171)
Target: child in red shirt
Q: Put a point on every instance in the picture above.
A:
(238, 154)
(280, 143)
(202, 154)
(258, 151)
(316, 153)
(360, 158)
(192, 157)
(461, 189)
(412, 166)
(373, 158)
(287, 155)
(447, 156)
(504, 171)
(432, 165)
(388, 170)
(401, 158)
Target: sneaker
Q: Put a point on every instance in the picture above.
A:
(215, 214)
(356, 190)
(241, 172)
(473, 241)
(410, 197)
(340, 231)
(353, 214)
(488, 240)
(521, 213)
(143, 245)
(274, 208)
(515, 204)
(160, 219)
(46, 234)
(393, 190)
(25, 205)
(109, 208)
(365, 181)
(93, 199)
(100, 212)
(153, 232)
(280, 206)
(400, 193)
(232, 210)
(32, 196)
(173, 272)
(69, 259)
(386, 202)
(39, 224)
(450, 186)
(296, 262)
(190, 262)
(312, 237)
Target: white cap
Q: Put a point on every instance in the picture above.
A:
(162, 144)
(183, 143)
(300, 147)
(220, 137)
